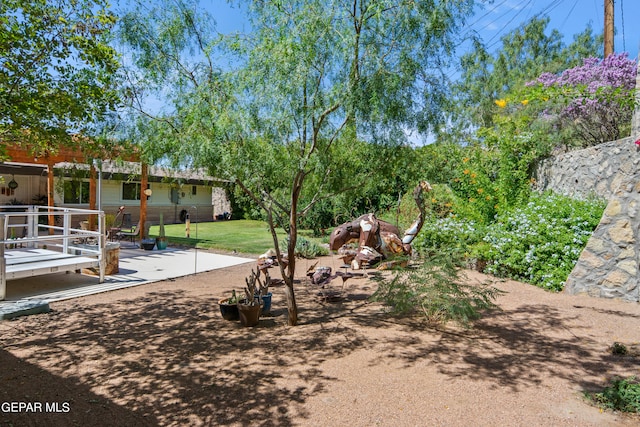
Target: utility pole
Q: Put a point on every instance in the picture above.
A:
(608, 27)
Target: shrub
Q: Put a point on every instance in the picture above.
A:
(452, 232)
(439, 203)
(622, 395)
(541, 241)
(307, 248)
(594, 100)
(435, 290)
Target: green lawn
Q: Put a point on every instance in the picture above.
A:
(244, 236)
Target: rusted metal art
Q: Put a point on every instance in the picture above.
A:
(377, 240)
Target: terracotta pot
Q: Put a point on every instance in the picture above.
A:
(249, 314)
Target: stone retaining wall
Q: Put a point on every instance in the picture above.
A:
(608, 266)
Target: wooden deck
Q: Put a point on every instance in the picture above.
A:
(36, 262)
(39, 248)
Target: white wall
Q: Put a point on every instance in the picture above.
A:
(28, 187)
(159, 201)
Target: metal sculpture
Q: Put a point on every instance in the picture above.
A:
(378, 240)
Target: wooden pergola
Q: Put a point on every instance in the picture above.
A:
(24, 154)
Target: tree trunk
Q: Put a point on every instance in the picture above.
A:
(291, 249)
(292, 307)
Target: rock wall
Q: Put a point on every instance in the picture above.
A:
(597, 170)
(608, 266)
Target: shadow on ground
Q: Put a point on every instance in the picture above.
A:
(168, 357)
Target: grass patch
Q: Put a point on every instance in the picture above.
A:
(244, 236)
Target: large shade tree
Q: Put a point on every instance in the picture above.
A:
(56, 70)
(280, 116)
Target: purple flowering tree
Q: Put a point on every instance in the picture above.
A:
(593, 102)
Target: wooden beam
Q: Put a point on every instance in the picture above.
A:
(25, 154)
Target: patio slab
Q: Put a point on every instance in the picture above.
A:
(136, 267)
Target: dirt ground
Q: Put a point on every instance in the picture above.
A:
(160, 354)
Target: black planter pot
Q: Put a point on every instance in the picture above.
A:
(148, 244)
(228, 311)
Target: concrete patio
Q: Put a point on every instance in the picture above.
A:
(136, 267)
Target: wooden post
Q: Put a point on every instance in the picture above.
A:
(92, 196)
(608, 27)
(143, 199)
(50, 195)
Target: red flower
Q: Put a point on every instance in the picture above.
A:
(638, 142)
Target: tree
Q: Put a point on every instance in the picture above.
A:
(56, 69)
(310, 79)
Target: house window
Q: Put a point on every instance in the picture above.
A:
(130, 191)
(76, 192)
(193, 190)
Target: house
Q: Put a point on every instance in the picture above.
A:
(175, 194)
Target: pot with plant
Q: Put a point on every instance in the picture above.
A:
(229, 307)
(161, 240)
(263, 292)
(250, 307)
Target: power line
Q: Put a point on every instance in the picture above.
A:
(568, 14)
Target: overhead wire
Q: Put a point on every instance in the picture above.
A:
(568, 15)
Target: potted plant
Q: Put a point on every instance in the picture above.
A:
(229, 307)
(249, 308)
(263, 292)
(161, 240)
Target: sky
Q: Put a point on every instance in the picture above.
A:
(570, 17)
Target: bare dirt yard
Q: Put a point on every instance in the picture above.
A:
(160, 354)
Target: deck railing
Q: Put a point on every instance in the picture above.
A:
(28, 227)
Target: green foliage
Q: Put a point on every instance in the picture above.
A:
(515, 146)
(540, 242)
(306, 248)
(476, 191)
(591, 103)
(436, 290)
(438, 162)
(622, 395)
(438, 204)
(319, 217)
(525, 53)
(58, 69)
(456, 233)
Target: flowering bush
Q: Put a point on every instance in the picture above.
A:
(454, 233)
(541, 241)
(595, 100)
(538, 242)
